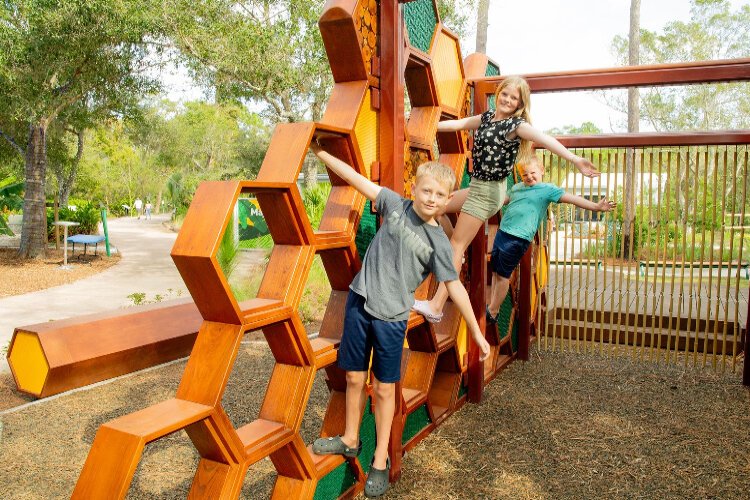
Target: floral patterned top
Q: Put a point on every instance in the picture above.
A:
(493, 154)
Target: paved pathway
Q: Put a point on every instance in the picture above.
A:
(145, 267)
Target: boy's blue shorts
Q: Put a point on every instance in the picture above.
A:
(507, 251)
(364, 333)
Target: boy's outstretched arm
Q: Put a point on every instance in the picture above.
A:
(359, 182)
(603, 205)
(459, 296)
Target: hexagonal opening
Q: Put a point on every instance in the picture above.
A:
(245, 248)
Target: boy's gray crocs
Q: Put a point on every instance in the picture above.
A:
(423, 308)
(377, 480)
(334, 446)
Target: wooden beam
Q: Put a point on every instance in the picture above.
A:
(630, 76)
(717, 137)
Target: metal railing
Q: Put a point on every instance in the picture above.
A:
(665, 276)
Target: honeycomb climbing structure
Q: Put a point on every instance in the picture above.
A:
(434, 365)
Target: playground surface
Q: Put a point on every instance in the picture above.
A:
(559, 426)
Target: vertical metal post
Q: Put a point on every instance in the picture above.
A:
(106, 232)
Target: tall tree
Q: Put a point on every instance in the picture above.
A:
(634, 45)
(483, 10)
(56, 55)
(713, 32)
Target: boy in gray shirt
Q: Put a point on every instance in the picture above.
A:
(406, 249)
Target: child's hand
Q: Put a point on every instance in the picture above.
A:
(605, 205)
(315, 147)
(484, 346)
(585, 167)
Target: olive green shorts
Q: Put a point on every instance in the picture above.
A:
(485, 198)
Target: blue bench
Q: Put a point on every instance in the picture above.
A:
(86, 240)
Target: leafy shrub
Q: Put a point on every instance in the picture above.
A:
(87, 216)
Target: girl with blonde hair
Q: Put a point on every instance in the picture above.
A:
(503, 137)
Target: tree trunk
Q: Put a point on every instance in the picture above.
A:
(634, 43)
(157, 206)
(34, 230)
(483, 10)
(65, 180)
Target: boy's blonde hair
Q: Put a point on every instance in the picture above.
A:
(523, 110)
(438, 171)
(531, 160)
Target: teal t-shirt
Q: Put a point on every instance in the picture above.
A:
(527, 206)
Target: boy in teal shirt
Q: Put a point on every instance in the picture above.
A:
(527, 204)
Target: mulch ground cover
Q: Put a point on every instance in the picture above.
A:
(563, 425)
(24, 275)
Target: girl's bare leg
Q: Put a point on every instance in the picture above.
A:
(465, 230)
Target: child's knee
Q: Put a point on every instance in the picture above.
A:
(356, 379)
(383, 390)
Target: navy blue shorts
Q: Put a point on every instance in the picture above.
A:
(507, 251)
(364, 333)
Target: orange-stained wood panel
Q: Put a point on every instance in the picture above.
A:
(341, 265)
(286, 273)
(288, 342)
(216, 440)
(208, 368)
(342, 40)
(342, 211)
(115, 452)
(286, 395)
(196, 246)
(217, 480)
(286, 152)
(285, 215)
(344, 105)
(420, 81)
(87, 349)
(118, 446)
(422, 124)
(475, 65)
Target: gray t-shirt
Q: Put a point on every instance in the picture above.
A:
(403, 253)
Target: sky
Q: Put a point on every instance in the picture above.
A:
(548, 35)
(551, 35)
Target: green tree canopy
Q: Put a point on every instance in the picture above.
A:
(713, 32)
(58, 60)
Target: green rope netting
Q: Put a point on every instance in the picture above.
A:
(415, 422)
(421, 20)
(366, 230)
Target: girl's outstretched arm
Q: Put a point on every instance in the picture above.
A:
(526, 131)
(468, 123)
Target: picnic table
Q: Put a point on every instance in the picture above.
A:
(86, 240)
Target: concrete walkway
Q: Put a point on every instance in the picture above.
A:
(145, 267)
